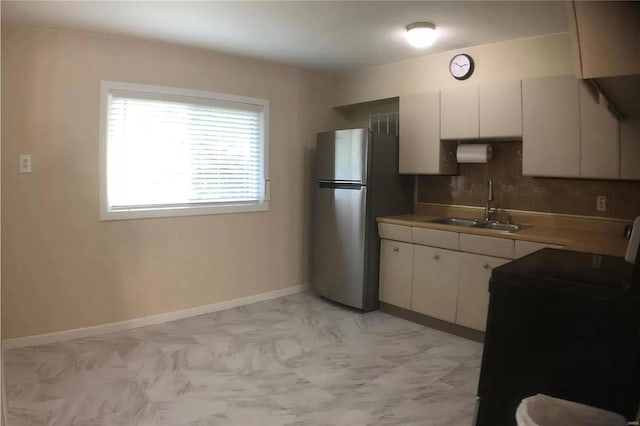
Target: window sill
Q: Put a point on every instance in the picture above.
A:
(183, 211)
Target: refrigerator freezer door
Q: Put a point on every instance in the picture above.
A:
(340, 243)
(343, 156)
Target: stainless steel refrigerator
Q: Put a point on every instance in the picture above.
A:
(357, 181)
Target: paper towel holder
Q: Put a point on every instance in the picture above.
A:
(447, 156)
(474, 153)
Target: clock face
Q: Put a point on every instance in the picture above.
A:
(461, 66)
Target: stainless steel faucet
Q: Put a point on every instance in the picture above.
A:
(488, 210)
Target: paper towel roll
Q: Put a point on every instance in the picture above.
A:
(474, 153)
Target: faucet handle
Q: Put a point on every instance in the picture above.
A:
(492, 212)
(506, 216)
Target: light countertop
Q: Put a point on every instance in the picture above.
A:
(613, 244)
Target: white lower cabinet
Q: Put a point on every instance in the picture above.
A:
(473, 289)
(435, 282)
(396, 270)
(450, 285)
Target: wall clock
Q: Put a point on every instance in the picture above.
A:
(461, 66)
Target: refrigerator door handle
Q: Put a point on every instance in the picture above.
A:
(341, 185)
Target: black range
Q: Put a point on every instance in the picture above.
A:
(565, 324)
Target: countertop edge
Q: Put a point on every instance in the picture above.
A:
(585, 242)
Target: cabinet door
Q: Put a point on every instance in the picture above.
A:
(501, 109)
(630, 149)
(600, 157)
(473, 289)
(396, 268)
(459, 113)
(551, 127)
(421, 151)
(435, 282)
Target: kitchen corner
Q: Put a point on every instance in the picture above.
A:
(336, 213)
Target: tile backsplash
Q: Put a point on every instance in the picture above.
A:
(514, 191)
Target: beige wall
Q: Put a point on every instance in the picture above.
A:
(61, 267)
(3, 405)
(513, 60)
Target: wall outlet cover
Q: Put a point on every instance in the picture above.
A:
(25, 163)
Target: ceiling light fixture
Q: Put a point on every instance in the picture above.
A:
(421, 34)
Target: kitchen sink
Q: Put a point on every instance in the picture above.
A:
(496, 226)
(481, 223)
(455, 221)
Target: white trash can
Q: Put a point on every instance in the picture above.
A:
(543, 410)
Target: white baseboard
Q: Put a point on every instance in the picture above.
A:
(76, 333)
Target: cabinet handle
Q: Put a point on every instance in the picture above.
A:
(396, 249)
(486, 266)
(436, 256)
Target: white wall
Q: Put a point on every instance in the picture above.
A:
(513, 60)
(61, 267)
(3, 405)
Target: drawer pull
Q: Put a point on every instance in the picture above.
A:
(436, 256)
(486, 266)
(396, 249)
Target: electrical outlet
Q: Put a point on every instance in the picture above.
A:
(601, 203)
(25, 163)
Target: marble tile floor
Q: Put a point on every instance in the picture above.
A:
(297, 360)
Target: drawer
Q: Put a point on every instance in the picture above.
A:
(524, 248)
(436, 238)
(498, 247)
(390, 231)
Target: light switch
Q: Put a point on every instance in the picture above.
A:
(25, 163)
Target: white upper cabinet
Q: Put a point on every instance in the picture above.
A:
(568, 130)
(421, 151)
(566, 125)
(600, 154)
(460, 117)
(501, 109)
(492, 110)
(551, 127)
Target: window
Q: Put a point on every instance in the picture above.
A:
(175, 152)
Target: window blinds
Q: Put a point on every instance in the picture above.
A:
(167, 151)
